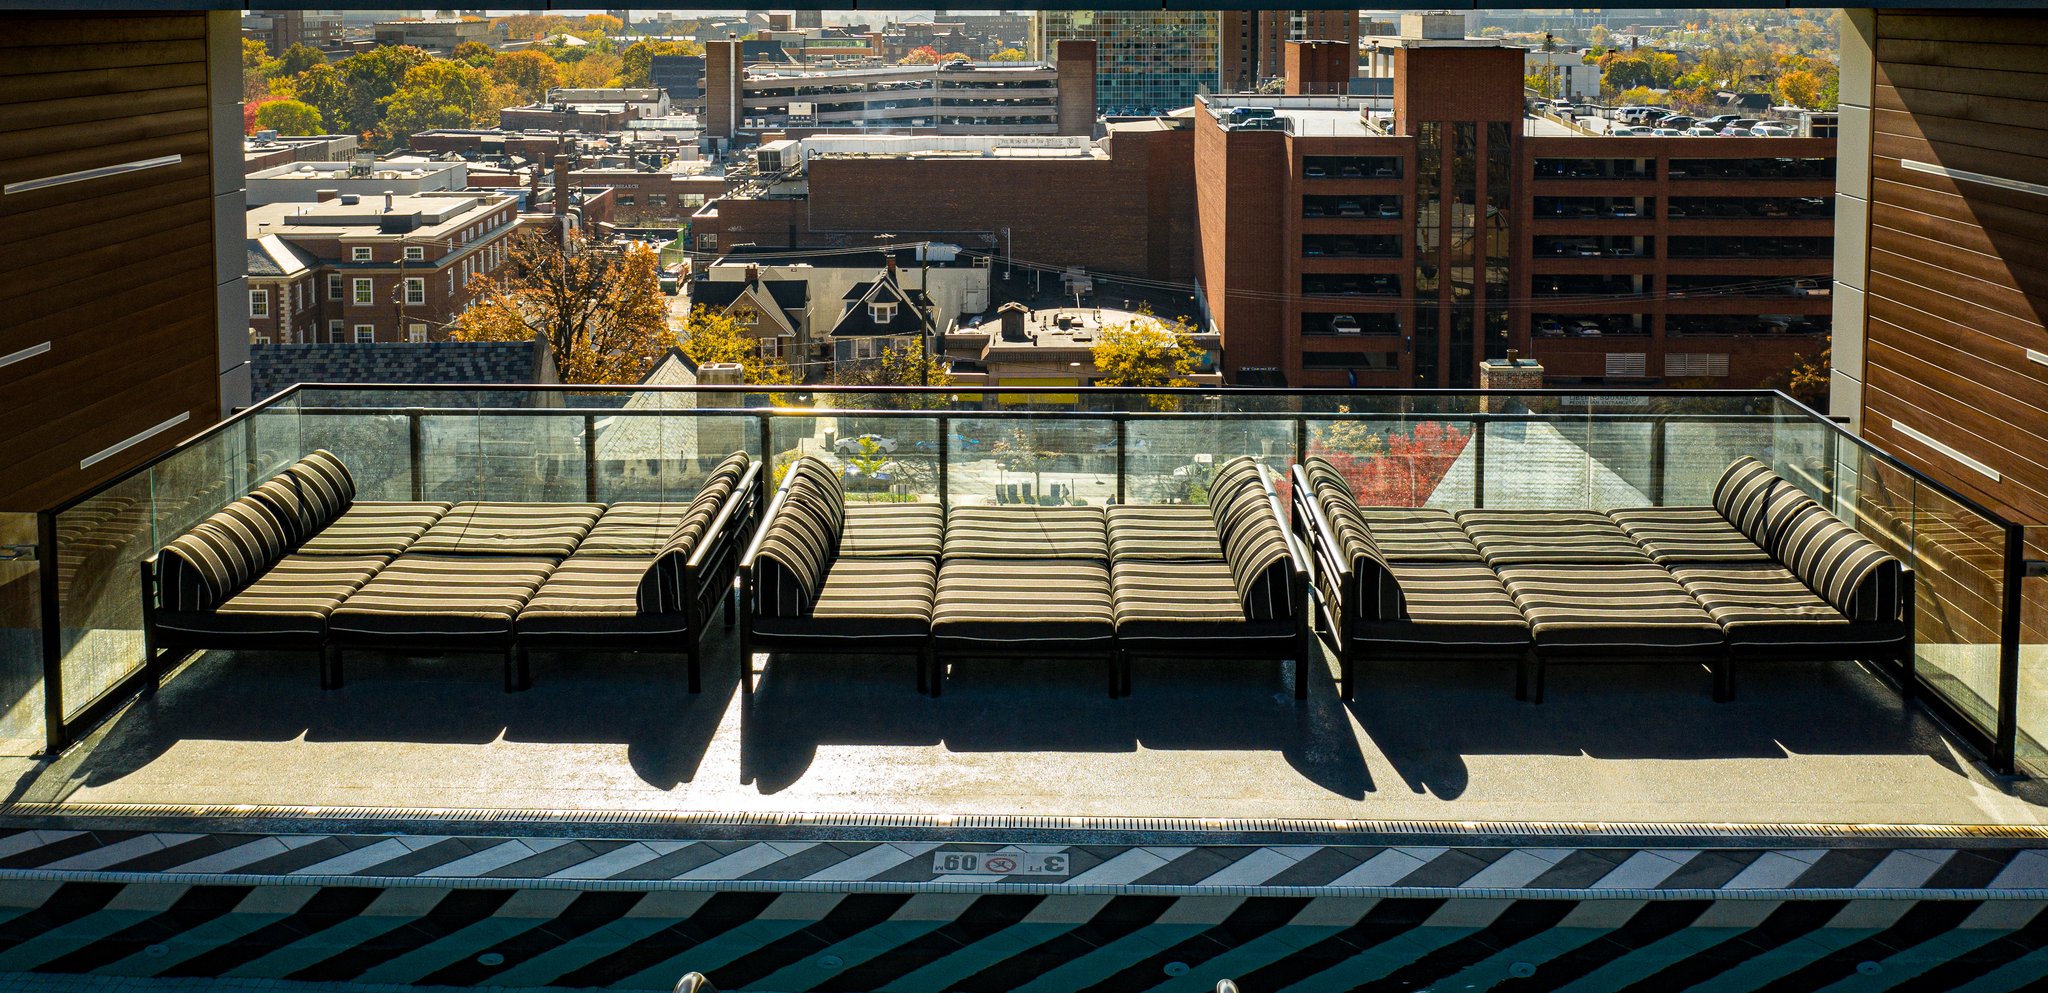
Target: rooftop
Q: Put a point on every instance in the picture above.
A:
(429, 214)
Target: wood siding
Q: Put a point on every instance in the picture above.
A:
(1958, 284)
(116, 273)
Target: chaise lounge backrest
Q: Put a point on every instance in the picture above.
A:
(1254, 540)
(207, 565)
(1367, 582)
(798, 546)
(664, 587)
(1849, 571)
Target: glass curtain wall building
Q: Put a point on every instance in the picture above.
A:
(1147, 62)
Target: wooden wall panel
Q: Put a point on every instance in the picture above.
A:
(1958, 282)
(115, 273)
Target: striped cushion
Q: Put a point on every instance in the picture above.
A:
(1526, 537)
(633, 529)
(1845, 568)
(1610, 606)
(1026, 533)
(1419, 534)
(663, 588)
(453, 595)
(867, 598)
(1182, 601)
(1232, 478)
(1007, 602)
(1255, 545)
(1373, 591)
(1785, 503)
(325, 483)
(1178, 532)
(814, 476)
(1688, 534)
(796, 552)
(1764, 605)
(1448, 605)
(893, 531)
(205, 566)
(375, 528)
(522, 529)
(281, 494)
(294, 597)
(594, 594)
(1741, 493)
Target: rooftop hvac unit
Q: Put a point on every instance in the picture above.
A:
(776, 156)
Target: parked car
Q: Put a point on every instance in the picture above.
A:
(1390, 210)
(1550, 328)
(859, 443)
(1385, 172)
(1769, 130)
(1702, 131)
(1720, 121)
(1622, 252)
(1350, 208)
(1668, 133)
(1623, 210)
(1345, 324)
(1679, 121)
(1314, 172)
(1811, 288)
(1734, 132)
(1588, 251)
(1627, 131)
(1586, 329)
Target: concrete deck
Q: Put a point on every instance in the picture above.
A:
(616, 736)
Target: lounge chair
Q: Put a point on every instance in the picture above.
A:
(1024, 581)
(1399, 584)
(1223, 580)
(822, 576)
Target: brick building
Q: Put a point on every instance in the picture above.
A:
(371, 268)
(1122, 204)
(1254, 42)
(1346, 241)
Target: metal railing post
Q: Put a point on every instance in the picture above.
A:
(590, 458)
(1658, 428)
(54, 731)
(412, 431)
(1478, 460)
(1122, 438)
(945, 456)
(2005, 739)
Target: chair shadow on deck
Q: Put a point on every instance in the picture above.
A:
(1428, 720)
(803, 702)
(455, 699)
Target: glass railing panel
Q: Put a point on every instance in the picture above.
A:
(376, 446)
(881, 456)
(1171, 458)
(1959, 569)
(1031, 460)
(1698, 449)
(2032, 744)
(659, 447)
(21, 637)
(1567, 461)
(526, 456)
(1401, 459)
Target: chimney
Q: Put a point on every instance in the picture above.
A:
(322, 196)
(387, 201)
(533, 187)
(721, 374)
(1511, 373)
(892, 266)
(1011, 317)
(561, 184)
(753, 274)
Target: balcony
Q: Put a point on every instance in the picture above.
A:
(609, 738)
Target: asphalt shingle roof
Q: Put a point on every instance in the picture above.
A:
(273, 368)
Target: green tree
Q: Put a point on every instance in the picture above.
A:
(602, 314)
(1145, 351)
(298, 59)
(1627, 74)
(289, 117)
(475, 53)
(439, 94)
(256, 69)
(326, 91)
(530, 73)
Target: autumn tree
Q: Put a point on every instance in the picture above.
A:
(955, 57)
(256, 69)
(1147, 352)
(637, 61)
(903, 363)
(298, 59)
(601, 313)
(475, 53)
(1799, 88)
(594, 69)
(439, 94)
(288, 117)
(531, 74)
(922, 55)
(1010, 55)
(602, 24)
(1806, 379)
(715, 336)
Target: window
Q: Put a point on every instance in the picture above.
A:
(365, 292)
(415, 290)
(881, 313)
(866, 348)
(693, 199)
(415, 332)
(258, 339)
(360, 253)
(626, 200)
(366, 333)
(707, 241)
(334, 331)
(657, 199)
(414, 253)
(333, 287)
(259, 303)
(769, 348)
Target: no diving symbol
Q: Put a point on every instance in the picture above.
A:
(1000, 863)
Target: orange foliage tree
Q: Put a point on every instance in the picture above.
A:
(1392, 470)
(601, 312)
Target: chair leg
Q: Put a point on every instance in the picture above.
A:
(732, 610)
(924, 671)
(1541, 665)
(1125, 666)
(330, 666)
(938, 674)
(1301, 676)
(1522, 677)
(694, 659)
(746, 662)
(1724, 681)
(517, 676)
(1117, 660)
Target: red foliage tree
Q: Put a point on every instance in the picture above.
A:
(1408, 472)
(249, 113)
